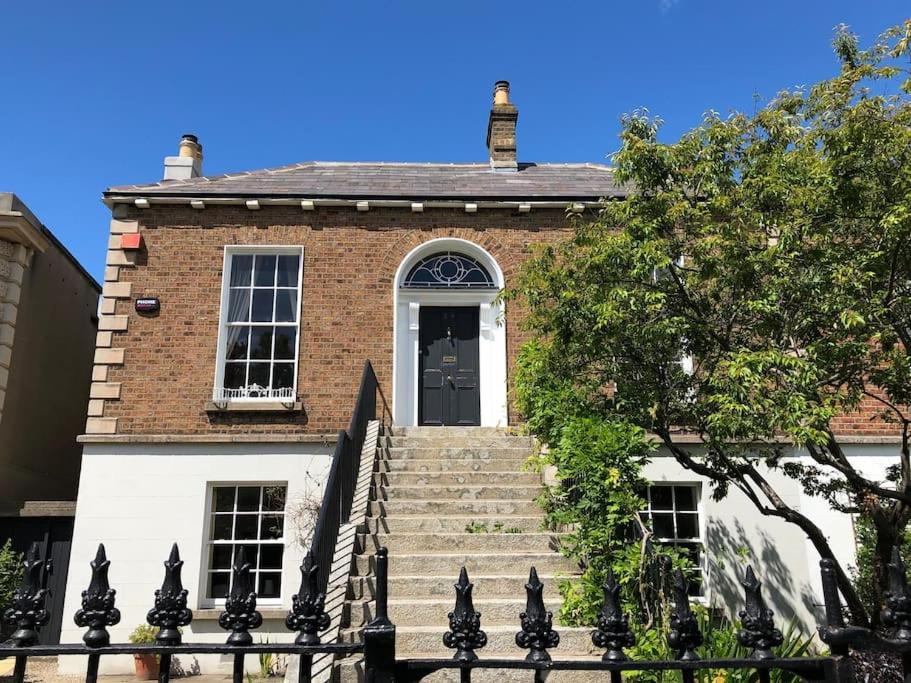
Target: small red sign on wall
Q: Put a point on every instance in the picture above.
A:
(131, 240)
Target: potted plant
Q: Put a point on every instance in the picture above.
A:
(146, 663)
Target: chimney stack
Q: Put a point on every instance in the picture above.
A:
(501, 130)
(188, 162)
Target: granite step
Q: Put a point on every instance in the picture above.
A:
(504, 542)
(501, 640)
(458, 454)
(459, 492)
(437, 564)
(442, 586)
(431, 464)
(459, 441)
(450, 431)
(500, 611)
(454, 524)
(453, 507)
(456, 478)
(351, 670)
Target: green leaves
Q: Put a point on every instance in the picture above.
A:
(774, 249)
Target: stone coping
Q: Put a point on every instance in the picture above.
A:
(208, 438)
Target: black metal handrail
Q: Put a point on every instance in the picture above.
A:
(341, 483)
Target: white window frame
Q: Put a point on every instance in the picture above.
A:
(229, 252)
(208, 543)
(700, 526)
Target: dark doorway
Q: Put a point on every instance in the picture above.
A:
(449, 366)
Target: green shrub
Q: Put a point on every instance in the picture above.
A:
(143, 634)
(720, 643)
(862, 574)
(10, 575)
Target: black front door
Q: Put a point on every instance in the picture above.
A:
(449, 355)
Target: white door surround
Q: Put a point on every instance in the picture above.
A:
(492, 342)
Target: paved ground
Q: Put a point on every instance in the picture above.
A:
(44, 670)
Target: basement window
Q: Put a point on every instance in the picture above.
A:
(252, 517)
(260, 322)
(673, 514)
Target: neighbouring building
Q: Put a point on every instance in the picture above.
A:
(237, 312)
(48, 321)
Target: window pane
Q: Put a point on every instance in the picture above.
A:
(238, 305)
(663, 525)
(686, 497)
(274, 498)
(287, 270)
(262, 305)
(237, 343)
(259, 374)
(270, 585)
(271, 527)
(248, 498)
(271, 557)
(241, 267)
(245, 527)
(661, 497)
(283, 377)
(264, 275)
(285, 342)
(235, 375)
(221, 527)
(223, 499)
(221, 557)
(285, 306)
(218, 585)
(261, 343)
(687, 525)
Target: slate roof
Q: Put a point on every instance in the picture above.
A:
(344, 180)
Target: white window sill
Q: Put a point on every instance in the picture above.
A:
(271, 406)
(270, 613)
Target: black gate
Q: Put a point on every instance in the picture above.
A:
(54, 536)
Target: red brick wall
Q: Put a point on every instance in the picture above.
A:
(350, 259)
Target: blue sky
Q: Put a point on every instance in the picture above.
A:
(97, 93)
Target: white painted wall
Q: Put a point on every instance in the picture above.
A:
(784, 560)
(139, 499)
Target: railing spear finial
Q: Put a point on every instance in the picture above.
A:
(464, 632)
(684, 636)
(170, 611)
(307, 614)
(897, 612)
(758, 632)
(240, 613)
(27, 610)
(536, 634)
(98, 611)
(613, 630)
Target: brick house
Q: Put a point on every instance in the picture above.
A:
(237, 313)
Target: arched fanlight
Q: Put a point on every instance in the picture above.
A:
(448, 270)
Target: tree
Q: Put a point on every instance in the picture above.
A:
(753, 286)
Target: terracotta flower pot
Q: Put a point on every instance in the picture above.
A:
(146, 667)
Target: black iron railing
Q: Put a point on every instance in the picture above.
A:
(536, 633)
(169, 614)
(338, 497)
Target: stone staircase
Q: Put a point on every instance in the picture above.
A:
(449, 497)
